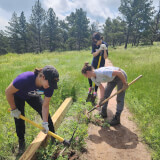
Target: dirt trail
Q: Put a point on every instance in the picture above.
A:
(115, 143)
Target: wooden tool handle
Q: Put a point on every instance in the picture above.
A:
(120, 90)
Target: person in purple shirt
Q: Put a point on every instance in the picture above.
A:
(28, 87)
(99, 48)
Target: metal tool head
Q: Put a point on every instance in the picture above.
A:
(66, 143)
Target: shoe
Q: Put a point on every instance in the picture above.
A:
(21, 146)
(90, 89)
(115, 120)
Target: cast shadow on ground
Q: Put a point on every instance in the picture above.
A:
(118, 137)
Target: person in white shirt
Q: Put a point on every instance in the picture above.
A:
(115, 77)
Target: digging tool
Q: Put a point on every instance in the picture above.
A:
(70, 139)
(65, 142)
(115, 94)
(69, 142)
(90, 97)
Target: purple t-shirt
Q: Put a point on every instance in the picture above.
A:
(25, 82)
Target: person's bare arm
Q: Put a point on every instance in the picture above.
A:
(10, 90)
(45, 109)
(101, 91)
(96, 53)
(105, 54)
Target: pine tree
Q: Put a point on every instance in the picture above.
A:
(23, 32)
(78, 29)
(137, 15)
(37, 21)
(3, 43)
(13, 32)
(51, 30)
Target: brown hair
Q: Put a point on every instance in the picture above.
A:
(37, 71)
(86, 68)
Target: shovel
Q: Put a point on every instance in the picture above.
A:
(65, 142)
(115, 94)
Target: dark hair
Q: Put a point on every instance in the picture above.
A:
(86, 68)
(37, 71)
(96, 36)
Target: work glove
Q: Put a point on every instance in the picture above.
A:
(125, 86)
(15, 113)
(45, 126)
(103, 47)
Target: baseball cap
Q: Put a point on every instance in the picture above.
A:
(52, 75)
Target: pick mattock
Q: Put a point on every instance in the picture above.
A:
(65, 142)
(90, 97)
(115, 94)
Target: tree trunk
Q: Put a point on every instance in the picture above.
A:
(126, 40)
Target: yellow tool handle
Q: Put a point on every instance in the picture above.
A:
(40, 127)
(120, 90)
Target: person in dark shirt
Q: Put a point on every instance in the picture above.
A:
(27, 87)
(99, 48)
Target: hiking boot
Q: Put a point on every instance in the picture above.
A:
(21, 146)
(115, 120)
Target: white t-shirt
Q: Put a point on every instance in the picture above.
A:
(104, 74)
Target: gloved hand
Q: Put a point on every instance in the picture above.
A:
(15, 113)
(45, 126)
(103, 47)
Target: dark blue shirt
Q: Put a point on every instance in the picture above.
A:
(96, 59)
(25, 82)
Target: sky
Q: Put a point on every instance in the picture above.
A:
(97, 10)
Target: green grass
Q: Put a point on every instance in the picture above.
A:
(143, 97)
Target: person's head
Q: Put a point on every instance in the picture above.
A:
(49, 76)
(97, 39)
(87, 70)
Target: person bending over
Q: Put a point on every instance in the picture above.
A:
(115, 77)
(28, 87)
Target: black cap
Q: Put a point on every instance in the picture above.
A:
(52, 75)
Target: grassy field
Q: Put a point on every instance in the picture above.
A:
(142, 98)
